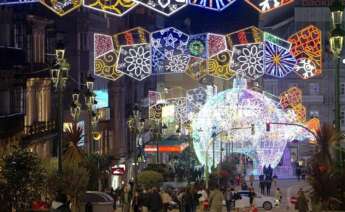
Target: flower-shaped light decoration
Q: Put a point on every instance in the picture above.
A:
(217, 5)
(135, 61)
(241, 114)
(278, 61)
(248, 60)
(112, 7)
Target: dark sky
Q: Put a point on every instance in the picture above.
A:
(236, 16)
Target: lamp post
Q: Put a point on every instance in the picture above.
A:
(90, 101)
(158, 129)
(136, 124)
(336, 41)
(59, 77)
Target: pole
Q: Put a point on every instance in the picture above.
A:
(213, 161)
(206, 169)
(337, 95)
(136, 159)
(90, 131)
(157, 145)
(60, 124)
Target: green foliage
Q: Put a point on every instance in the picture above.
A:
(23, 179)
(150, 179)
(97, 165)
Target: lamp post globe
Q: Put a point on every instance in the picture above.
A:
(337, 9)
(336, 40)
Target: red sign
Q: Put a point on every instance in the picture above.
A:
(118, 170)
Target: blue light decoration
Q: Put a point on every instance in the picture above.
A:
(9, 2)
(102, 98)
(278, 61)
(215, 5)
(164, 7)
(239, 116)
(169, 51)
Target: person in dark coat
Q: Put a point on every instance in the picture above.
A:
(262, 184)
(187, 201)
(268, 183)
(136, 202)
(60, 204)
(251, 196)
(155, 201)
(302, 202)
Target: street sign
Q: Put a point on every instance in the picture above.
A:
(118, 169)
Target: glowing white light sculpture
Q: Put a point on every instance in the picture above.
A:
(242, 115)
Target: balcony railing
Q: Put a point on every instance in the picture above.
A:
(11, 124)
(39, 128)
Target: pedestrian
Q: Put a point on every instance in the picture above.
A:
(298, 172)
(262, 184)
(195, 199)
(114, 196)
(146, 200)
(136, 202)
(278, 196)
(274, 181)
(187, 200)
(302, 202)
(166, 199)
(251, 196)
(60, 204)
(126, 199)
(156, 203)
(268, 183)
(251, 180)
(216, 200)
(229, 198)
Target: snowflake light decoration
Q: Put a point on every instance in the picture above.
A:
(264, 6)
(135, 61)
(169, 50)
(195, 99)
(244, 36)
(235, 112)
(248, 60)
(197, 68)
(278, 61)
(217, 5)
(61, 7)
(307, 49)
(165, 7)
(133, 36)
(219, 66)
(105, 66)
(112, 7)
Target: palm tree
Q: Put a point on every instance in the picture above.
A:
(72, 152)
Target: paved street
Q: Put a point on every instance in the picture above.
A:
(289, 188)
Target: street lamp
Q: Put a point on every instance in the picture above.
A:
(59, 77)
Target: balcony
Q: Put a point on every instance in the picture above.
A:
(39, 131)
(11, 124)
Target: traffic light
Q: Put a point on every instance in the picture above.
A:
(253, 129)
(268, 127)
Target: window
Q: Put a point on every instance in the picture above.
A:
(342, 119)
(314, 88)
(314, 114)
(342, 88)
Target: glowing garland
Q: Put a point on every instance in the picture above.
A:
(165, 7)
(264, 6)
(112, 7)
(217, 5)
(61, 7)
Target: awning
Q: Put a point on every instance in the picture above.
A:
(172, 144)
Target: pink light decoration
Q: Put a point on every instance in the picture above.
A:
(103, 44)
(216, 44)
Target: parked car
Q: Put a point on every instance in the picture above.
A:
(260, 201)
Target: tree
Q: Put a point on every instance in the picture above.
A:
(72, 137)
(150, 179)
(73, 183)
(24, 179)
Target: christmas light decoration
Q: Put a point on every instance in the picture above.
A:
(294, 96)
(105, 66)
(307, 49)
(300, 112)
(195, 99)
(234, 114)
(264, 6)
(197, 45)
(165, 7)
(248, 60)
(197, 68)
(169, 50)
(155, 112)
(102, 44)
(219, 66)
(277, 41)
(278, 61)
(180, 108)
(61, 7)
(135, 61)
(113, 7)
(244, 36)
(154, 97)
(215, 44)
(9, 2)
(137, 35)
(217, 5)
